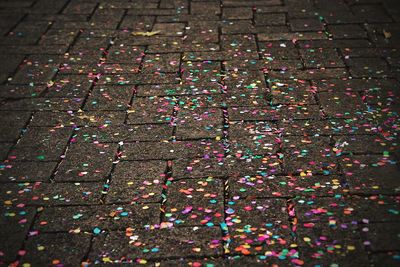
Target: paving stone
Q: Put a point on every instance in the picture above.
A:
(109, 98)
(41, 103)
(137, 23)
(279, 50)
(274, 238)
(341, 104)
(346, 209)
(74, 86)
(161, 63)
(243, 164)
(13, 124)
(310, 24)
(364, 144)
(86, 162)
(317, 58)
(243, 81)
(321, 244)
(335, 43)
(36, 70)
(175, 241)
(123, 54)
(47, 194)
(239, 45)
(201, 72)
(195, 202)
(151, 110)
(205, 8)
(238, 26)
(14, 228)
(10, 67)
(289, 92)
(252, 139)
(18, 91)
(347, 31)
(382, 236)
(237, 13)
(47, 248)
(370, 174)
(375, 32)
(145, 179)
(79, 118)
(58, 37)
(222, 100)
(371, 13)
(336, 85)
(267, 29)
(201, 167)
(90, 46)
(169, 29)
(270, 19)
(41, 144)
(311, 74)
(199, 123)
(27, 171)
(171, 150)
(86, 218)
(291, 36)
(129, 133)
(388, 258)
(309, 155)
(331, 126)
(368, 67)
(4, 148)
(24, 33)
(258, 260)
(274, 113)
(341, 17)
(202, 31)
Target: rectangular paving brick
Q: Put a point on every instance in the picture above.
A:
(42, 144)
(109, 98)
(54, 245)
(307, 154)
(27, 171)
(47, 194)
(136, 182)
(151, 110)
(171, 150)
(199, 123)
(86, 162)
(86, 218)
(175, 241)
(13, 124)
(195, 202)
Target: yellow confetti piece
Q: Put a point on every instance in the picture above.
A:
(387, 34)
(106, 259)
(146, 33)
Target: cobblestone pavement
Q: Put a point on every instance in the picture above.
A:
(199, 133)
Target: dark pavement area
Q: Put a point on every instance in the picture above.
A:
(199, 132)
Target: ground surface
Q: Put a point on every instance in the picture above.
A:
(201, 133)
